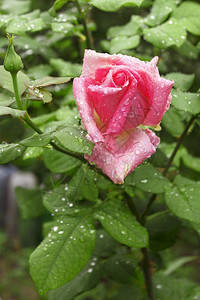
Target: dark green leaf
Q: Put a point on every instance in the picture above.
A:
(120, 268)
(148, 178)
(183, 199)
(10, 152)
(120, 224)
(85, 280)
(58, 162)
(172, 122)
(163, 229)
(29, 202)
(182, 81)
(63, 253)
(6, 81)
(166, 35)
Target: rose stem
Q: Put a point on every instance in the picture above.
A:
(86, 30)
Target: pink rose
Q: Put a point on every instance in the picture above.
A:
(115, 94)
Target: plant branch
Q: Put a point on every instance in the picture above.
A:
(146, 268)
(180, 140)
(86, 30)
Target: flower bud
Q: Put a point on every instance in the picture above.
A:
(12, 62)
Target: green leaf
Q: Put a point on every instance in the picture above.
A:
(120, 268)
(120, 43)
(6, 81)
(66, 28)
(43, 119)
(85, 280)
(29, 202)
(6, 100)
(183, 199)
(41, 94)
(187, 49)
(166, 35)
(131, 28)
(63, 253)
(191, 162)
(46, 81)
(114, 5)
(163, 229)
(83, 182)
(32, 152)
(182, 81)
(167, 287)
(10, 152)
(39, 71)
(189, 14)
(176, 264)
(58, 162)
(147, 178)
(160, 11)
(16, 113)
(21, 24)
(189, 102)
(105, 245)
(118, 221)
(73, 139)
(172, 122)
(57, 5)
(62, 201)
(36, 140)
(64, 68)
(19, 7)
(159, 159)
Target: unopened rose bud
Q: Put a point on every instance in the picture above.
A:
(12, 62)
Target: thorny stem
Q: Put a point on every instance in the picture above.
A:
(86, 30)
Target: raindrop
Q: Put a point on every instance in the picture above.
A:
(90, 270)
(144, 181)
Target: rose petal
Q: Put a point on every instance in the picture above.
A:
(118, 156)
(85, 109)
(161, 100)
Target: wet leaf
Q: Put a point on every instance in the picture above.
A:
(63, 253)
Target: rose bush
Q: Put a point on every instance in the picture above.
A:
(115, 95)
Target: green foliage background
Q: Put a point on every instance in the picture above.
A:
(97, 235)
